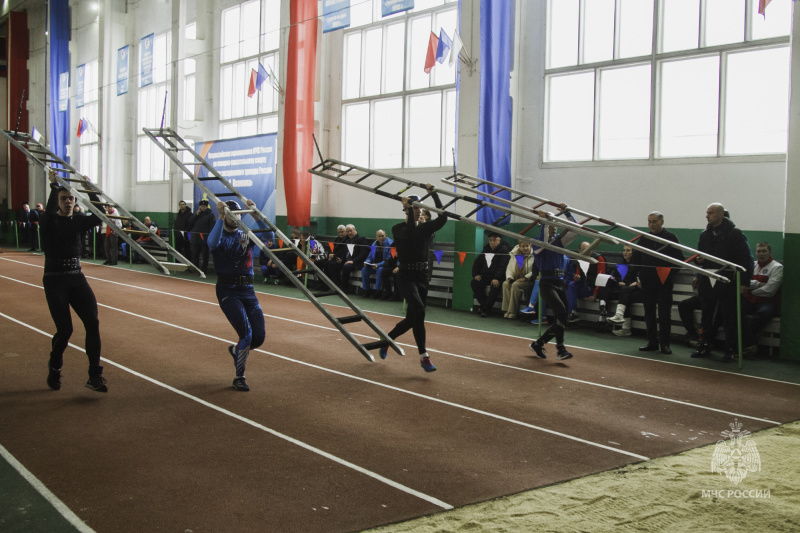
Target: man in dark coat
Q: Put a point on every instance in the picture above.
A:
(722, 239)
(202, 223)
(490, 271)
(182, 227)
(656, 276)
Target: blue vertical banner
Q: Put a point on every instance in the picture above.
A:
(390, 7)
(146, 63)
(248, 164)
(494, 122)
(63, 91)
(335, 15)
(122, 70)
(80, 79)
(59, 77)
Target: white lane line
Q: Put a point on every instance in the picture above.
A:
(51, 498)
(482, 361)
(313, 449)
(386, 386)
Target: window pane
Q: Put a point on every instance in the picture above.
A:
(776, 21)
(625, 113)
(229, 130)
(570, 117)
(161, 54)
(449, 127)
(598, 34)
(636, 28)
(351, 78)
(680, 26)
(267, 95)
(394, 55)
(143, 159)
(248, 127)
(189, 66)
(373, 42)
(724, 21)
(424, 130)
(268, 125)
(241, 81)
(757, 102)
(443, 73)
(250, 27)
(417, 52)
(271, 16)
(190, 31)
(230, 35)
(355, 123)
(689, 107)
(188, 97)
(226, 90)
(420, 5)
(250, 103)
(562, 38)
(360, 13)
(387, 133)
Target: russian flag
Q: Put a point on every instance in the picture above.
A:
(83, 125)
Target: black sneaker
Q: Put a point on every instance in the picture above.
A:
(703, 350)
(97, 383)
(563, 354)
(240, 385)
(54, 378)
(538, 350)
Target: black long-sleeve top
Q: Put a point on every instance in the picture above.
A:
(413, 240)
(61, 235)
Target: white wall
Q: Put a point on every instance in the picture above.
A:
(627, 192)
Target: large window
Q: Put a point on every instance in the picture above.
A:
(153, 107)
(88, 161)
(250, 38)
(394, 114)
(646, 79)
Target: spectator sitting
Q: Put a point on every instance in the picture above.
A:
(380, 250)
(333, 265)
(146, 240)
(357, 252)
(582, 285)
(762, 299)
(286, 255)
(268, 268)
(518, 280)
(626, 286)
(489, 270)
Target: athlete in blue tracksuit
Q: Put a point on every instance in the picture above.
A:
(551, 286)
(233, 262)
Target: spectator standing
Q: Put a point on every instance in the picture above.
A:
(202, 222)
(724, 240)
(657, 284)
(111, 241)
(182, 227)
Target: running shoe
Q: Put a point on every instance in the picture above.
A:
(97, 383)
(240, 384)
(54, 378)
(426, 364)
(563, 354)
(538, 350)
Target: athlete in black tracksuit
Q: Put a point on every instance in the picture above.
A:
(412, 242)
(65, 285)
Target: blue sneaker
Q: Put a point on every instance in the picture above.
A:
(383, 352)
(530, 310)
(538, 349)
(535, 322)
(426, 364)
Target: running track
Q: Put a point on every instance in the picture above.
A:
(325, 441)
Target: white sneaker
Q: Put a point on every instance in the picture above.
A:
(616, 319)
(621, 332)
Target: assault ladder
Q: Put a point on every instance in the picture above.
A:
(184, 156)
(472, 185)
(81, 187)
(379, 182)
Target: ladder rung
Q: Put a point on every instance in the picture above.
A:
(89, 191)
(304, 271)
(227, 194)
(208, 178)
(377, 344)
(323, 294)
(175, 267)
(81, 180)
(137, 231)
(350, 319)
(119, 217)
(243, 211)
(102, 203)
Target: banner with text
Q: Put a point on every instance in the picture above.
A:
(335, 15)
(146, 63)
(122, 70)
(248, 164)
(80, 74)
(390, 7)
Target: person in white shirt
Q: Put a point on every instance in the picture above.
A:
(762, 299)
